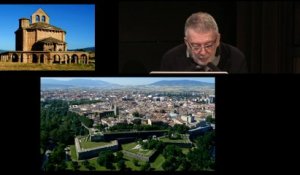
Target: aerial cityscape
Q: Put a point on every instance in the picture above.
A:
(127, 124)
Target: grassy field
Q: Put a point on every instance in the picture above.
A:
(185, 151)
(73, 152)
(93, 162)
(129, 163)
(87, 145)
(45, 67)
(129, 147)
(157, 164)
(184, 139)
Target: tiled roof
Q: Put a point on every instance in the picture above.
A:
(45, 26)
(51, 40)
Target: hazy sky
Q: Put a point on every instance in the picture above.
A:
(77, 20)
(139, 80)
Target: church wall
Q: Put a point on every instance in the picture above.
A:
(49, 47)
(30, 40)
(19, 40)
(42, 34)
(60, 47)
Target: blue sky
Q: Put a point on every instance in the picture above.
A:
(139, 80)
(77, 20)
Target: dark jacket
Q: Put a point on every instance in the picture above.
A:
(232, 60)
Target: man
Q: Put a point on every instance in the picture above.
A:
(203, 50)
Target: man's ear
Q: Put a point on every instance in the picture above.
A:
(219, 39)
(218, 51)
(218, 45)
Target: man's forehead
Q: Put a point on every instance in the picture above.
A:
(201, 37)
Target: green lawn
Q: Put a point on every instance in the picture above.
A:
(129, 163)
(185, 150)
(93, 162)
(184, 139)
(157, 164)
(73, 152)
(88, 144)
(129, 146)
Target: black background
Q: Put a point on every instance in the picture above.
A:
(148, 29)
(257, 125)
(267, 32)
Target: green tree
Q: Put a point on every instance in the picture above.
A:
(170, 164)
(136, 114)
(200, 157)
(135, 162)
(106, 158)
(181, 129)
(49, 166)
(91, 168)
(101, 127)
(172, 154)
(210, 119)
(137, 121)
(86, 163)
(75, 165)
(121, 165)
(185, 164)
(172, 151)
(146, 167)
(58, 155)
(119, 156)
(55, 162)
(44, 139)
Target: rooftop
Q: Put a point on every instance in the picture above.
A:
(51, 40)
(45, 26)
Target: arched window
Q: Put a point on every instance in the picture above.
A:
(43, 19)
(37, 18)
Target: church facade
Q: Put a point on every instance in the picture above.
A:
(40, 42)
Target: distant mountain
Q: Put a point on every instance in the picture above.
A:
(86, 49)
(181, 83)
(51, 83)
(3, 51)
(47, 83)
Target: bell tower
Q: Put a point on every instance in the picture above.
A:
(40, 16)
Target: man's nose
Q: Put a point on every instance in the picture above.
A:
(201, 51)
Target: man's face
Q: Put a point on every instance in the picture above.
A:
(202, 46)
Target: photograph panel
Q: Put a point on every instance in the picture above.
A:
(48, 37)
(127, 124)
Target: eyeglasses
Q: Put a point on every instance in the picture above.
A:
(198, 47)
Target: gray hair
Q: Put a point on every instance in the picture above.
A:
(201, 22)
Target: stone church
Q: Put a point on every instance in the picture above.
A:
(37, 41)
